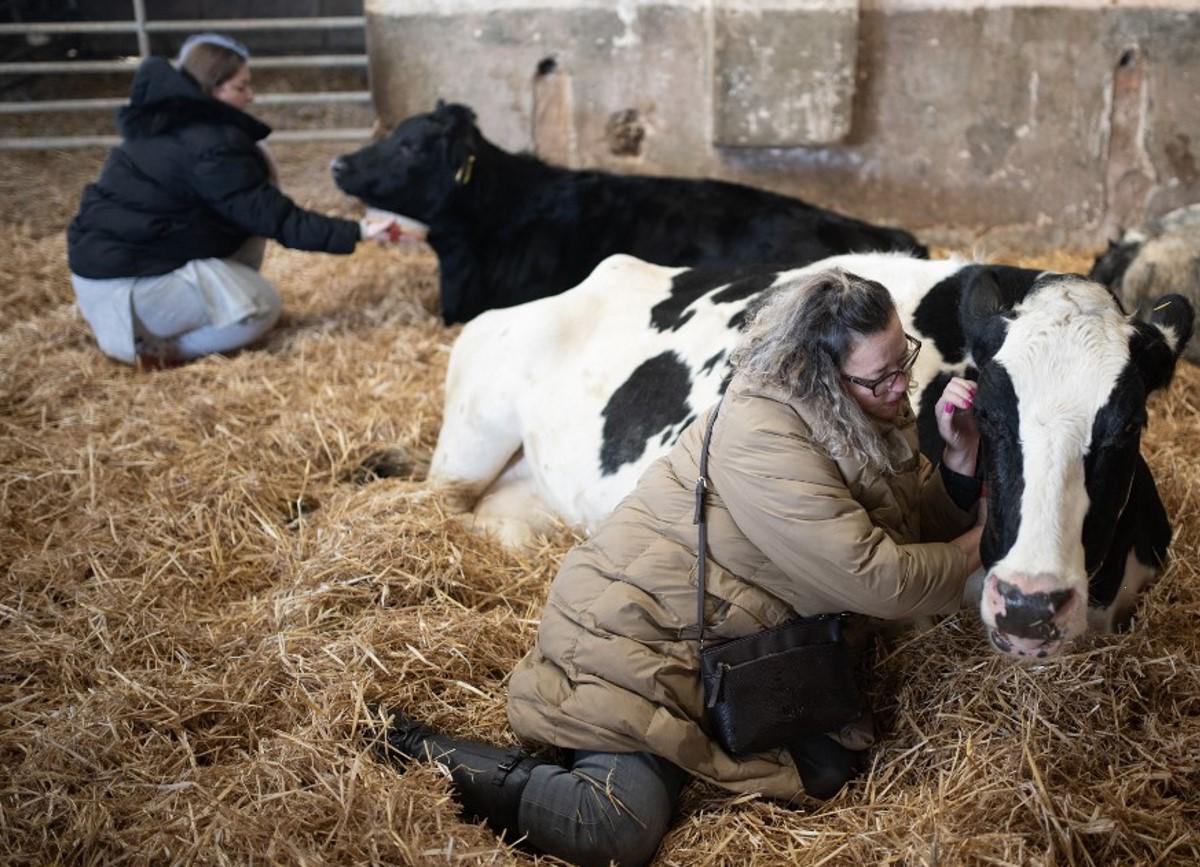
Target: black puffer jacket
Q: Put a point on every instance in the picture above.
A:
(188, 182)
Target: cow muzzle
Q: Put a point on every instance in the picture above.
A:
(1032, 617)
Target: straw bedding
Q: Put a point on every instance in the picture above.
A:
(201, 598)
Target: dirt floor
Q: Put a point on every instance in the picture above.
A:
(200, 600)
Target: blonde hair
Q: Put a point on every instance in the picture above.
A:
(211, 64)
(798, 341)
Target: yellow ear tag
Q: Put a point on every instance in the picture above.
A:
(463, 175)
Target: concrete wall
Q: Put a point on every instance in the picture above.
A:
(1044, 125)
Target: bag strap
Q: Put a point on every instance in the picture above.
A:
(701, 523)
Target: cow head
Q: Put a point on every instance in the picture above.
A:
(1063, 381)
(415, 170)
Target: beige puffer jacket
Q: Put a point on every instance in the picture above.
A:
(791, 531)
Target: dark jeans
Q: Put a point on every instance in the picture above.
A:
(601, 807)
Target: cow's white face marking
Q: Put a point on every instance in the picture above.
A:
(1064, 352)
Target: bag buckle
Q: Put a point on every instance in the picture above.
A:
(714, 694)
(701, 486)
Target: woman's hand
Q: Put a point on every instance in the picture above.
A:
(381, 231)
(956, 424)
(968, 543)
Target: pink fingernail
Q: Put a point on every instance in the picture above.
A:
(949, 408)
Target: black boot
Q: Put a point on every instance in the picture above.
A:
(825, 765)
(488, 781)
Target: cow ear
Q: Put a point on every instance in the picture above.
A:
(981, 313)
(462, 143)
(1156, 345)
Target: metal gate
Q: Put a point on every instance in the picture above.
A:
(143, 28)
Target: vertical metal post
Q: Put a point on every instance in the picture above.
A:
(139, 17)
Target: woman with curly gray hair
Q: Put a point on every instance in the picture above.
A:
(817, 503)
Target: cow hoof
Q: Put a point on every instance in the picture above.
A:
(393, 463)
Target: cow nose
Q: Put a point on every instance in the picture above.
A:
(338, 166)
(1038, 616)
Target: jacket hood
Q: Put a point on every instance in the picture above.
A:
(163, 98)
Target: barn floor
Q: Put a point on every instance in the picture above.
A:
(200, 600)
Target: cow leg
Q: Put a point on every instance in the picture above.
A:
(464, 471)
(512, 510)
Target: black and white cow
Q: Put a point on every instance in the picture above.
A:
(508, 228)
(1161, 257)
(597, 384)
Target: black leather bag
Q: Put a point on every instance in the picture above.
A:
(763, 690)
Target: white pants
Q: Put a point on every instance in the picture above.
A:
(205, 306)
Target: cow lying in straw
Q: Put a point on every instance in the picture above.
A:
(598, 383)
(1151, 261)
(508, 228)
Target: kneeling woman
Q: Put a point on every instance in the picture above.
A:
(165, 249)
(818, 503)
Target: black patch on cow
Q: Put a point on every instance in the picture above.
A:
(688, 287)
(1154, 356)
(711, 364)
(931, 441)
(997, 413)
(747, 287)
(651, 400)
(936, 317)
(1110, 474)
(1143, 525)
(939, 314)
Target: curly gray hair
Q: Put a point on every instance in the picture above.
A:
(799, 339)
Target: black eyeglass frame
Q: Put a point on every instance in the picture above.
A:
(905, 369)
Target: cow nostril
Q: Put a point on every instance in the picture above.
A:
(338, 166)
(1033, 615)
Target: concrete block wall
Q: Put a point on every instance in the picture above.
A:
(1020, 123)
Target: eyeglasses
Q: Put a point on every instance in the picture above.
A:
(879, 387)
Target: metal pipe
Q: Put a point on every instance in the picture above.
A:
(129, 64)
(139, 18)
(97, 103)
(344, 22)
(78, 141)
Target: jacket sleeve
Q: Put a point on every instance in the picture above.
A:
(941, 518)
(234, 182)
(792, 503)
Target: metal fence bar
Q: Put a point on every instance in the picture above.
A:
(142, 29)
(343, 22)
(78, 141)
(37, 67)
(139, 18)
(96, 103)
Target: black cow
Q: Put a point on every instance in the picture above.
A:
(1075, 526)
(508, 228)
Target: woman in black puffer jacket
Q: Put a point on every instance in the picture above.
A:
(165, 249)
